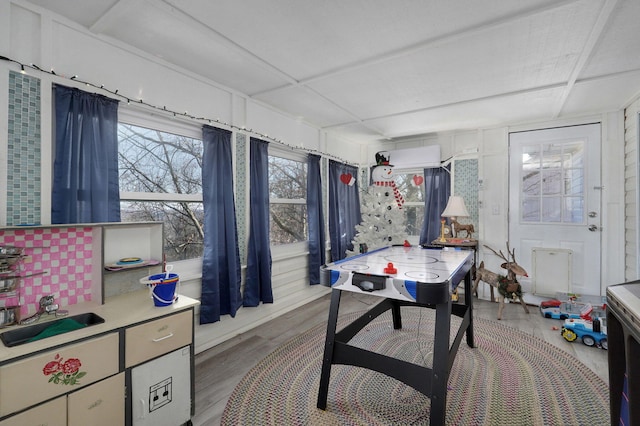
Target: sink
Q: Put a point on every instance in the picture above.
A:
(24, 334)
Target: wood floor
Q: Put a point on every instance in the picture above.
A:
(219, 369)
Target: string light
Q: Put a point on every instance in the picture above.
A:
(114, 93)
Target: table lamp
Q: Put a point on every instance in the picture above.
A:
(455, 209)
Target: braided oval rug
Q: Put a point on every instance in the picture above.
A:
(510, 378)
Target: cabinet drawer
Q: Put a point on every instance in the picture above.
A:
(101, 404)
(52, 413)
(152, 339)
(40, 377)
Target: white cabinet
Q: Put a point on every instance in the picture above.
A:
(161, 390)
(160, 356)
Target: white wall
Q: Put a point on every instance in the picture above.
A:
(631, 190)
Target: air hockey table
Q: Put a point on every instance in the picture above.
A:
(401, 276)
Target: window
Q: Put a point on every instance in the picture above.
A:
(411, 187)
(161, 180)
(553, 183)
(287, 199)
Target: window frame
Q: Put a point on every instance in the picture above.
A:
(300, 247)
(417, 204)
(149, 121)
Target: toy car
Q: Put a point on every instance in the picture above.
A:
(550, 303)
(592, 332)
(561, 310)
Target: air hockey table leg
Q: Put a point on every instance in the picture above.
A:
(327, 360)
(468, 300)
(440, 370)
(395, 314)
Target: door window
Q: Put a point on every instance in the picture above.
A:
(552, 182)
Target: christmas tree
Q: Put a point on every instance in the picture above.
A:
(383, 221)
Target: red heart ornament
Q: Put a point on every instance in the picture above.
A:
(418, 179)
(345, 178)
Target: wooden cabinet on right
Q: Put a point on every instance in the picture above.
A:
(154, 338)
(52, 413)
(41, 377)
(97, 381)
(101, 404)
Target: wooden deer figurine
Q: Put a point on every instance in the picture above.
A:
(508, 286)
(458, 227)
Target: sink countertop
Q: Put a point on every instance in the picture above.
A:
(118, 312)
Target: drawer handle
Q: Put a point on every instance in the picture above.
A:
(95, 404)
(142, 409)
(163, 338)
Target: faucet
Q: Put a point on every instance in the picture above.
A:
(46, 305)
(49, 306)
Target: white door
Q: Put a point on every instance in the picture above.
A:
(554, 203)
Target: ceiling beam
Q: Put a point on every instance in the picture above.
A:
(192, 21)
(119, 8)
(604, 17)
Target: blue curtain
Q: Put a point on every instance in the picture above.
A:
(221, 277)
(257, 286)
(315, 218)
(85, 169)
(437, 188)
(344, 209)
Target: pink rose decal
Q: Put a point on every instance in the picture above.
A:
(64, 372)
(51, 367)
(71, 366)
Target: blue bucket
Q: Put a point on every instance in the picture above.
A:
(163, 288)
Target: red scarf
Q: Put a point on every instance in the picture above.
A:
(396, 193)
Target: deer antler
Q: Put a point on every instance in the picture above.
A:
(512, 253)
(501, 254)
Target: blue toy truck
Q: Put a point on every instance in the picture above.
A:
(592, 332)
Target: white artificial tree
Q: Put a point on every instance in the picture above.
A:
(383, 219)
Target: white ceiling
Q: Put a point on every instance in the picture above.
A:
(383, 69)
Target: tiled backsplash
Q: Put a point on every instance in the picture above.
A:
(466, 185)
(24, 155)
(66, 257)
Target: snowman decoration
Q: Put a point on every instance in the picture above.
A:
(382, 177)
(383, 221)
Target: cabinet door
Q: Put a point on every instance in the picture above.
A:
(52, 413)
(101, 404)
(161, 390)
(49, 374)
(158, 337)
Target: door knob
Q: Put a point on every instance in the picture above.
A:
(593, 228)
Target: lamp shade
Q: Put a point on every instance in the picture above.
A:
(455, 207)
